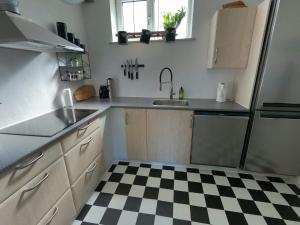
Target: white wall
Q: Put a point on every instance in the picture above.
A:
(29, 82)
(188, 59)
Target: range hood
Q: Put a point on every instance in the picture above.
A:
(20, 33)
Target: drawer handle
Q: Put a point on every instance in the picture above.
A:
(38, 184)
(216, 55)
(84, 146)
(91, 170)
(30, 163)
(55, 212)
(83, 130)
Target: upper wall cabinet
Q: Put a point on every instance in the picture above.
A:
(230, 37)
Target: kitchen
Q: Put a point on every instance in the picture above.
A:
(142, 157)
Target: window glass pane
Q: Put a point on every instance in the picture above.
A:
(172, 6)
(134, 15)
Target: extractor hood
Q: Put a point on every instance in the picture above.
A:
(20, 33)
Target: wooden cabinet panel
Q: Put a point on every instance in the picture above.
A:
(81, 133)
(135, 120)
(62, 213)
(14, 179)
(87, 182)
(169, 135)
(81, 156)
(29, 204)
(230, 38)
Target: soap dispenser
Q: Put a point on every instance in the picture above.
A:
(181, 93)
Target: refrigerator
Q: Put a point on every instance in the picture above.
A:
(274, 131)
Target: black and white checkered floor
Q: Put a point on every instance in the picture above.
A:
(145, 194)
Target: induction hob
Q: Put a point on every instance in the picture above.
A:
(48, 124)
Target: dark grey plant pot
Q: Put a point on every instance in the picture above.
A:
(145, 36)
(170, 34)
(122, 37)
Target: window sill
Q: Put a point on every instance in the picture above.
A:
(161, 40)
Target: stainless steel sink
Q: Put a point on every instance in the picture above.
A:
(170, 102)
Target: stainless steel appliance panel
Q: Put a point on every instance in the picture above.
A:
(274, 145)
(218, 138)
(281, 73)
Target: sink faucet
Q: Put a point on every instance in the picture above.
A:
(167, 82)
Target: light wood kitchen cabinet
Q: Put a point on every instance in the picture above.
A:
(62, 213)
(15, 178)
(30, 203)
(135, 120)
(169, 135)
(81, 156)
(230, 37)
(84, 186)
(81, 133)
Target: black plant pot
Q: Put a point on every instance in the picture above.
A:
(145, 36)
(170, 34)
(122, 37)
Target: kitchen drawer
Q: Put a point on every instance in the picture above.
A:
(15, 178)
(81, 133)
(29, 204)
(81, 156)
(87, 182)
(62, 213)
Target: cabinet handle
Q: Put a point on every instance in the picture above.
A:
(126, 118)
(83, 130)
(55, 212)
(191, 122)
(91, 170)
(30, 163)
(84, 146)
(216, 55)
(37, 185)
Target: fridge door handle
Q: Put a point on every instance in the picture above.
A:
(279, 115)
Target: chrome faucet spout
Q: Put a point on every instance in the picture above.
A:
(171, 81)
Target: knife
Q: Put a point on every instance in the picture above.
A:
(131, 69)
(124, 69)
(136, 69)
(128, 69)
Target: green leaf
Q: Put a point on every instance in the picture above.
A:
(173, 20)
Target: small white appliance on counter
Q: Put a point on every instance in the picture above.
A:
(221, 92)
(67, 99)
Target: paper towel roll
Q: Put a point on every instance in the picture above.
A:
(221, 92)
(67, 99)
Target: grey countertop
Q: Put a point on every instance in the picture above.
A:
(15, 148)
(194, 104)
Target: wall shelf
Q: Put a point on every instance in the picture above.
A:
(74, 66)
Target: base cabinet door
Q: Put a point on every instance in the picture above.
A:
(81, 156)
(63, 213)
(29, 204)
(135, 120)
(15, 178)
(169, 135)
(87, 182)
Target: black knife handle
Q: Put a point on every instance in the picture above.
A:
(137, 75)
(132, 76)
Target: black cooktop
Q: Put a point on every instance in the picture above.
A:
(48, 124)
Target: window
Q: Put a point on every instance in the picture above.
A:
(135, 15)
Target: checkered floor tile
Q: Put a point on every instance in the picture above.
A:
(145, 194)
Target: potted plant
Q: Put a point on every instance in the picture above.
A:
(172, 22)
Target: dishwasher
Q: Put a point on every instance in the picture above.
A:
(218, 138)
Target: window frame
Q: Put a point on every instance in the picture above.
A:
(151, 16)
